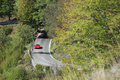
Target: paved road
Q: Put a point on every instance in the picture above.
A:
(42, 56)
(8, 22)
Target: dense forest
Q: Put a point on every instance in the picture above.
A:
(85, 36)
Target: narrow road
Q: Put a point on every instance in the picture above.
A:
(9, 22)
(42, 56)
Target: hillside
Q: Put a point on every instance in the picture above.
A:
(85, 37)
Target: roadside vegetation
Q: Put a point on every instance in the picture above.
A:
(85, 36)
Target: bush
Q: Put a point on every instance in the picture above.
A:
(3, 78)
(39, 67)
(5, 65)
(8, 30)
(1, 71)
(35, 75)
(26, 33)
(27, 58)
(18, 73)
(10, 62)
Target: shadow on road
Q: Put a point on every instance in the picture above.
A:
(41, 53)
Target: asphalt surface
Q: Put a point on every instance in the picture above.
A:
(9, 22)
(42, 55)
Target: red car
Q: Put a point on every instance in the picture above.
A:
(36, 46)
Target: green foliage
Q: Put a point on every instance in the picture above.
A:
(2, 36)
(27, 58)
(7, 8)
(51, 22)
(8, 30)
(79, 29)
(39, 67)
(16, 6)
(40, 7)
(26, 33)
(36, 10)
(3, 78)
(9, 53)
(18, 73)
(10, 61)
(34, 75)
(4, 40)
(88, 34)
(25, 10)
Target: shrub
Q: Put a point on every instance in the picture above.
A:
(39, 67)
(27, 58)
(35, 75)
(18, 73)
(11, 61)
(26, 33)
(5, 65)
(3, 78)
(1, 71)
(8, 30)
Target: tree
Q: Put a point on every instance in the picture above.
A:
(51, 22)
(7, 7)
(26, 34)
(18, 73)
(40, 8)
(25, 11)
(89, 33)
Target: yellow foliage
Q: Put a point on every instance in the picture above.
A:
(83, 33)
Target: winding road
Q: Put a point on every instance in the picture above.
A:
(42, 55)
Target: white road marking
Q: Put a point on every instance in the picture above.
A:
(43, 60)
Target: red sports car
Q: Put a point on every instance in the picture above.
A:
(36, 46)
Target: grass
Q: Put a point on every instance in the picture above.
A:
(108, 74)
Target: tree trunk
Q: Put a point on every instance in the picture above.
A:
(9, 18)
